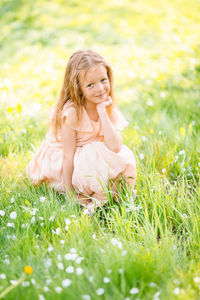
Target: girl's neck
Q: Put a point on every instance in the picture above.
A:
(90, 107)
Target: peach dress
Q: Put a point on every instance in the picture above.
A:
(94, 162)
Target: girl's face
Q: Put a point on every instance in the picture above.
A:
(94, 84)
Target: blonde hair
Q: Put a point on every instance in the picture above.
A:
(80, 60)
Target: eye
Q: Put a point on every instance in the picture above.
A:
(104, 79)
(90, 85)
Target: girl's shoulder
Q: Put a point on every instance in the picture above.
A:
(70, 117)
(69, 110)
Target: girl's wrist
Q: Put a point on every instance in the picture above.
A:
(101, 109)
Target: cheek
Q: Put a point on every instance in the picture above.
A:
(107, 87)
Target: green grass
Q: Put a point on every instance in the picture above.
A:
(153, 245)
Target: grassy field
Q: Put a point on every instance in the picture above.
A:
(149, 250)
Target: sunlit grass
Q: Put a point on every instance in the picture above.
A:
(147, 248)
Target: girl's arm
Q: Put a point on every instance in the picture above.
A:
(69, 146)
(112, 137)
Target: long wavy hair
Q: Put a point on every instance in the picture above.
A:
(80, 60)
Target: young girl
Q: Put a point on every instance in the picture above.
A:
(83, 148)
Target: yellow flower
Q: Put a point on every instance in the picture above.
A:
(27, 202)
(19, 108)
(9, 109)
(28, 270)
(182, 131)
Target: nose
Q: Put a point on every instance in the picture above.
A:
(99, 87)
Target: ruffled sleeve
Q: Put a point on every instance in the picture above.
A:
(118, 120)
(69, 116)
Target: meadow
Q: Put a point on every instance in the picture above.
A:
(142, 249)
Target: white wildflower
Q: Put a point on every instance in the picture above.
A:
(51, 218)
(79, 271)
(73, 216)
(134, 291)
(141, 156)
(79, 259)
(48, 281)
(116, 242)
(70, 256)
(33, 281)
(60, 266)
(70, 269)
(106, 279)
(25, 283)
(59, 257)
(12, 200)
(42, 199)
(57, 231)
(86, 297)
(41, 224)
(58, 289)
(11, 225)
(2, 276)
(162, 94)
(66, 282)
(152, 284)
(156, 296)
(185, 216)
(33, 220)
(163, 170)
(50, 248)
(67, 221)
(144, 138)
(197, 279)
(13, 215)
(182, 152)
(120, 271)
(94, 236)
(73, 250)
(33, 211)
(62, 242)
(100, 291)
(48, 262)
(46, 289)
(91, 278)
(7, 261)
(2, 213)
(41, 297)
(150, 103)
(14, 282)
(109, 271)
(176, 291)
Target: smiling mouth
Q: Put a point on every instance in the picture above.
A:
(100, 95)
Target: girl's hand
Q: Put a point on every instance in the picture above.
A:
(105, 103)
